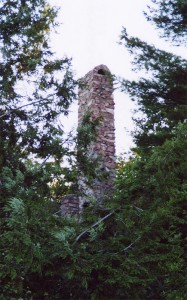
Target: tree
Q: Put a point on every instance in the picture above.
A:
(171, 17)
(36, 91)
(134, 246)
(154, 185)
(161, 97)
(154, 180)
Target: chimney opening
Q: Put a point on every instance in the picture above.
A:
(101, 72)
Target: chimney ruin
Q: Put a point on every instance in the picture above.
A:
(96, 97)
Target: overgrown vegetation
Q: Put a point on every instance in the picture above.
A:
(134, 247)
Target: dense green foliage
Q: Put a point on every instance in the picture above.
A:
(35, 92)
(154, 181)
(87, 134)
(134, 246)
(171, 17)
(161, 96)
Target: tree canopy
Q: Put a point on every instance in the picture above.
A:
(170, 17)
(36, 91)
(134, 246)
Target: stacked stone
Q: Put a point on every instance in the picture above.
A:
(69, 205)
(96, 96)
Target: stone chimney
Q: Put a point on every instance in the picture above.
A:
(96, 96)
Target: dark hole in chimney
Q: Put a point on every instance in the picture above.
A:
(86, 204)
(101, 72)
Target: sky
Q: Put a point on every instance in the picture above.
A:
(89, 33)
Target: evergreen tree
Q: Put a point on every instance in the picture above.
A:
(170, 17)
(161, 97)
(154, 181)
(35, 92)
(134, 247)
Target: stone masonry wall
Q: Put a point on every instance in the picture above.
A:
(96, 96)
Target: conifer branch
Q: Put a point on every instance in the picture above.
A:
(94, 225)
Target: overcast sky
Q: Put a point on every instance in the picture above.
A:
(89, 33)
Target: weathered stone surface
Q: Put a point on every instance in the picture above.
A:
(69, 205)
(97, 97)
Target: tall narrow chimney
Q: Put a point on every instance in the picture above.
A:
(96, 96)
